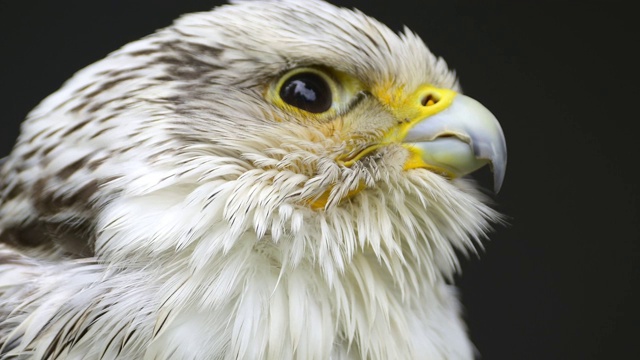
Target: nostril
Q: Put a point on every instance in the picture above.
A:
(429, 99)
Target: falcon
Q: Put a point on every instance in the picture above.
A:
(272, 179)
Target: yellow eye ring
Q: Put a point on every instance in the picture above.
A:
(306, 89)
(334, 91)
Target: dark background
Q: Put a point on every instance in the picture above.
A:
(559, 282)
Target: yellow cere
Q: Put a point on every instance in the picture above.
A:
(410, 109)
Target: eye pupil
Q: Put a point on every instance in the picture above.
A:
(307, 91)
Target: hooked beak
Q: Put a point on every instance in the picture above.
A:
(458, 139)
(445, 132)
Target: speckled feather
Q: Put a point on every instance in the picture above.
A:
(156, 206)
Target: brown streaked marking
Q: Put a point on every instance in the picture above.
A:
(107, 85)
(128, 148)
(183, 63)
(29, 235)
(37, 135)
(48, 203)
(117, 72)
(14, 192)
(70, 169)
(82, 196)
(76, 127)
(82, 88)
(164, 78)
(143, 52)
(28, 155)
(179, 32)
(107, 118)
(78, 107)
(38, 189)
(51, 133)
(74, 239)
(94, 164)
(48, 149)
(210, 51)
(100, 132)
(99, 105)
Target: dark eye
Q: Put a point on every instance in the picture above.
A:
(307, 91)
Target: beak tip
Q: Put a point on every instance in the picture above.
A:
(497, 183)
(498, 170)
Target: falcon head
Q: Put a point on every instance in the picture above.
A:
(256, 140)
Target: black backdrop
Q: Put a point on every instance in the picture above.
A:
(559, 281)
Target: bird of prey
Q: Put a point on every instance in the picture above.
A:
(272, 179)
